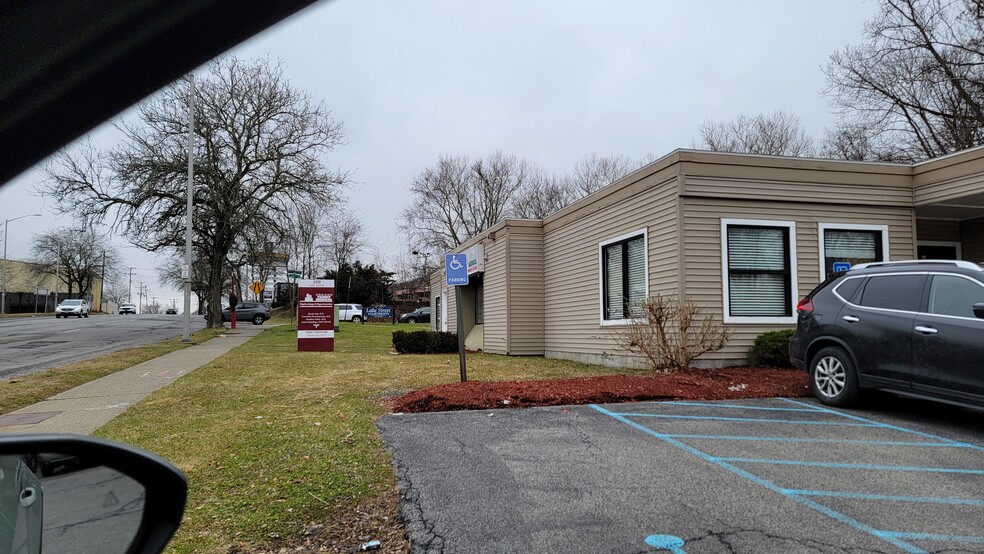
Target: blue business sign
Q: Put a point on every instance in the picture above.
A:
(379, 312)
(841, 266)
(456, 269)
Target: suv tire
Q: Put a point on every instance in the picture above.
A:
(356, 319)
(258, 319)
(411, 320)
(833, 377)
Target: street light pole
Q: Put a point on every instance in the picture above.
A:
(186, 271)
(3, 297)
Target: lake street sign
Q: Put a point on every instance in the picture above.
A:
(456, 269)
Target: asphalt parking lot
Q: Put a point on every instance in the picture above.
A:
(769, 475)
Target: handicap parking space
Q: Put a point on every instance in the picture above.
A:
(769, 475)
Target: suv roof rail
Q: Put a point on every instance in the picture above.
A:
(956, 263)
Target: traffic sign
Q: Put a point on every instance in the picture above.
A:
(456, 269)
(841, 266)
(256, 287)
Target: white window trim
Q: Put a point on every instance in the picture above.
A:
(821, 227)
(793, 284)
(601, 274)
(954, 244)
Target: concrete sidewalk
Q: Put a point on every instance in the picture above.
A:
(87, 407)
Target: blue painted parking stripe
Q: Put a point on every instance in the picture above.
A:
(738, 406)
(864, 496)
(750, 419)
(847, 520)
(935, 537)
(853, 466)
(823, 409)
(828, 441)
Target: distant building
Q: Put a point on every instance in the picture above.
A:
(29, 290)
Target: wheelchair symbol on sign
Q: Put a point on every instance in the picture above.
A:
(455, 264)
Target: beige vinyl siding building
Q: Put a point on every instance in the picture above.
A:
(745, 236)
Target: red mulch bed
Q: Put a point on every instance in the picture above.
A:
(694, 384)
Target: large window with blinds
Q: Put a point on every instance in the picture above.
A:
(759, 271)
(852, 244)
(624, 283)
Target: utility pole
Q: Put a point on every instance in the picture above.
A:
(102, 282)
(129, 289)
(186, 270)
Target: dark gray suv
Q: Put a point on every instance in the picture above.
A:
(914, 328)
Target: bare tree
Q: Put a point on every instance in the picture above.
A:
(542, 194)
(595, 172)
(918, 82)
(260, 148)
(344, 240)
(777, 134)
(79, 256)
(457, 198)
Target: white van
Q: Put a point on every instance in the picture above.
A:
(350, 312)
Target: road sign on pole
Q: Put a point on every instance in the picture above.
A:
(256, 287)
(456, 269)
(456, 273)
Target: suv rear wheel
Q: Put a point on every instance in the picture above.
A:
(833, 377)
(356, 319)
(258, 319)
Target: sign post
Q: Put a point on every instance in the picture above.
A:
(456, 273)
(315, 315)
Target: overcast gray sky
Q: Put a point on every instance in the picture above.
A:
(551, 81)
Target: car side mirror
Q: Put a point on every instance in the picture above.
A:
(69, 493)
(979, 310)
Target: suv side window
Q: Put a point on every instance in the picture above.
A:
(954, 295)
(847, 288)
(893, 292)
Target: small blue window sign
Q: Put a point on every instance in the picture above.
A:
(456, 269)
(841, 266)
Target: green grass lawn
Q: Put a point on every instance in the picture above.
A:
(273, 440)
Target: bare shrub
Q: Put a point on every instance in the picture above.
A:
(671, 333)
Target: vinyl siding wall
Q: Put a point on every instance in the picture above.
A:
(572, 286)
(525, 294)
(496, 295)
(702, 261)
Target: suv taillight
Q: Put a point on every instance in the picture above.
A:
(805, 306)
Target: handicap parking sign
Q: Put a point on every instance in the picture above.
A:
(456, 269)
(841, 266)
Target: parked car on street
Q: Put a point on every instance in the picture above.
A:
(171, 311)
(128, 309)
(914, 328)
(421, 315)
(78, 308)
(247, 311)
(350, 312)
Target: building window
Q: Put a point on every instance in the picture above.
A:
(624, 279)
(759, 271)
(851, 244)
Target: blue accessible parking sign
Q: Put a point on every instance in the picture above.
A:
(456, 269)
(841, 266)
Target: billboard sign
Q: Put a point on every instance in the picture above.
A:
(315, 315)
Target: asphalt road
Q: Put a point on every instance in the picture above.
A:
(760, 476)
(32, 344)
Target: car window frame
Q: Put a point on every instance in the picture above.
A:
(924, 306)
